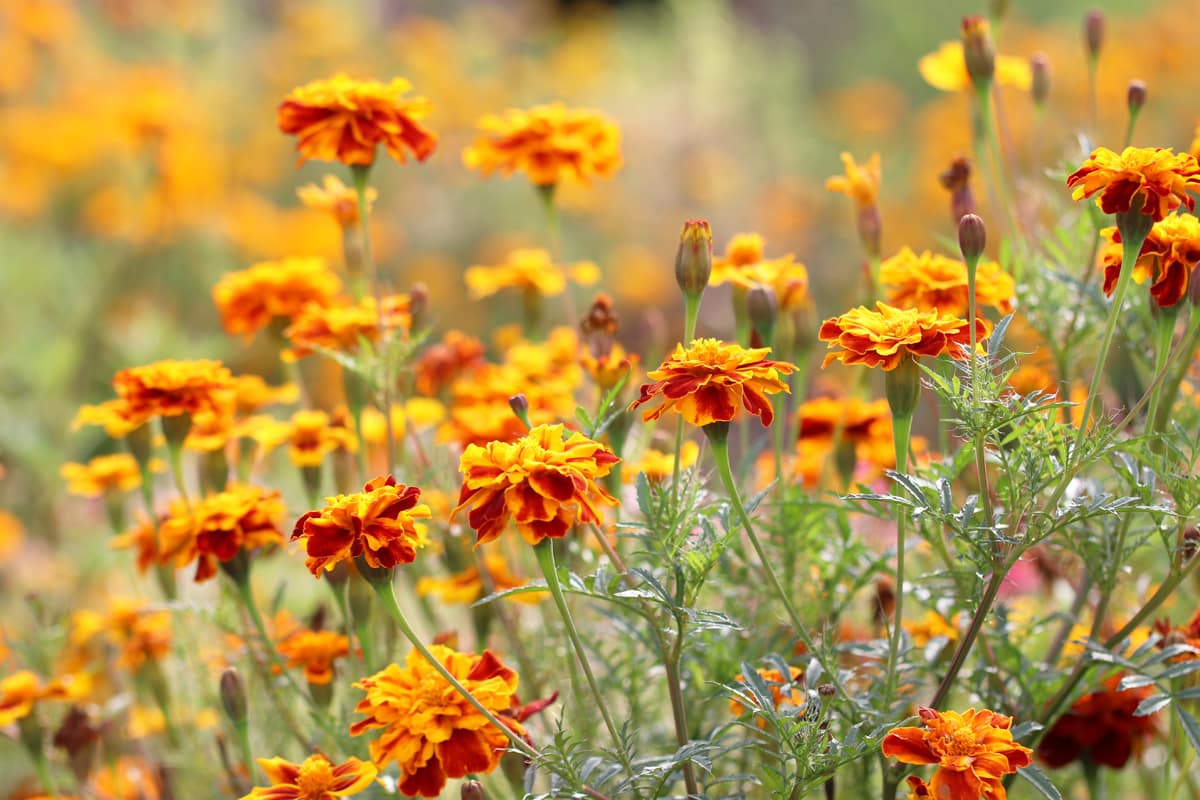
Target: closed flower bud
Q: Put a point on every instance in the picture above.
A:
(1039, 68)
(519, 404)
(1136, 96)
(978, 51)
(763, 306)
(1093, 32)
(972, 237)
(233, 696)
(472, 790)
(693, 261)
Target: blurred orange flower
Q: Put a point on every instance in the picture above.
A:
(657, 465)
(341, 119)
(443, 361)
(317, 778)
(784, 691)
(219, 527)
(116, 416)
(251, 392)
(1158, 177)
(546, 481)
(171, 388)
(467, 586)
(118, 472)
(860, 183)
(547, 142)
(884, 336)
(341, 327)
(708, 381)
(22, 690)
(311, 436)
(315, 651)
(933, 282)
(248, 300)
(336, 199)
(1169, 255)
(378, 524)
(528, 270)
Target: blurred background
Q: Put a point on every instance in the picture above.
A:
(140, 159)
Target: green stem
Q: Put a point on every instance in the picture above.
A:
(1164, 332)
(901, 431)
(968, 640)
(1170, 389)
(45, 776)
(243, 735)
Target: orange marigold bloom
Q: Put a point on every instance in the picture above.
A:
(1188, 634)
(931, 282)
(315, 651)
(342, 327)
(546, 481)
(311, 436)
(220, 526)
(444, 361)
(886, 335)
(317, 778)
(251, 392)
(931, 626)
(610, 369)
(341, 119)
(467, 586)
(709, 380)
(430, 730)
(946, 69)
(860, 183)
(116, 416)
(118, 472)
(974, 750)
(22, 690)
(1168, 256)
(784, 691)
(140, 632)
(143, 539)
(547, 142)
(336, 199)
(248, 300)
(170, 388)
(1158, 177)
(378, 524)
(529, 270)
(657, 466)
(1101, 728)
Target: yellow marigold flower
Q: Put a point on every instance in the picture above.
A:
(860, 183)
(315, 651)
(311, 437)
(251, 392)
(103, 474)
(658, 466)
(220, 526)
(784, 691)
(429, 729)
(317, 778)
(946, 69)
(611, 369)
(335, 199)
(170, 388)
(418, 413)
(529, 270)
(116, 416)
(974, 750)
(708, 381)
(929, 627)
(248, 300)
(140, 632)
(210, 431)
(931, 282)
(1169, 256)
(884, 336)
(1156, 177)
(788, 279)
(466, 587)
(547, 143)
(22, 690)
(341, 119)
(342, 327)
(546, 481)
(378, 524)
(743, 250)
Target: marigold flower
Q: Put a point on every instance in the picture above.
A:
(1101, 728)
(1188, 634)
(546, 481)
(784, 691)
(466, 587)
(142, 633)
(884, 336)
(945, 69)
(220, 526)
(547, 143)
(1168, 256)
(1158, 177)
(248, 300)
(143, 539)
(341, 119)
(210, 431)
(22, 690)
(709, 380)
(610, 369)
(315, 651)
(118, 472)
(116, 416)
(317, 778)
(786, 277)
(430, 730)
(931, 282)
(251, 392)
(974, 750)
(528, 270)
(312, 436)
(335, 199)
(860, 183)
(378, 524)
(342, 327)
(171, 388)
(931, 626)
(657, 465)
(443, 361)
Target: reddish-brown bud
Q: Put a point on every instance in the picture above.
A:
(972, 237)
(956, 179)
(978, 51)
(1136, 96)
(233, 696)
(1093, 32)
(1039, 68)
(763, 306)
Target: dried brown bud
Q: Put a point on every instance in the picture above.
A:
(826, 690)
(418, 306)
(956, 179)
(884, 604)
(600, 326)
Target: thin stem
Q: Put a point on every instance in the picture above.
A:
(901, 431)
(243, 735)
(45, 776)
(968, 640)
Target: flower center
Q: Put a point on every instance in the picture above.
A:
(315, 778)
(959, 742)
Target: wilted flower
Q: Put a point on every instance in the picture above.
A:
(884, 336)
(317, 778)
(547, 143)
(932, 282)
(171, 388)
(248, 300)
(315, 651)
(1157, 178)
(118, 472)
(1100, 727)
(335, 199)
(1168, 257)
(341, 119)
(710, 381)
(528, 270)
(220, 526)
(546, 481)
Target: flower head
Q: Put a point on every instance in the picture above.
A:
(884, 336)
(1168, 257)
(335, 199)
(103, 474)
(1101, 727)
(528, 270)
(443, 361)
(341, 119)
(547, 143)
(311, 436)
(784, 691)
(974, 750)
(430, 730)
(317, 778)
(931, 282)
(315, 651)
(116, 416)
(860, 183)
(220, 526)
(545, 481)
(378, 524)
(171, 388)
(22, 690)
(708, 382)
(658, 466)
(249, 299)
(1157, 177)
(341, 327)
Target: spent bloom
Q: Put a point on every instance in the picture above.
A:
(933, 282)
(1157, 178)
(545, 481)
(973, 750)
(547, 143)
(341, 119)
(118, 472)
(172, 388)
(861, 181)
(336, 199)
(886, 335)
(430, 730)
(1101, 727)
(218, 527)
(378, 524)
(528, 270)
(710, 381)
(316, 778)
(248, 300)
(1168, 257)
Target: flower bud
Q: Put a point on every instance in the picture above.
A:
(233, 696)
(472, 790)
(1039, 68)
(1136, 96)
(972, 238)
(1093, 32)
(519, 404)
(826, 690)
(902, 386)
(693, 261)
(978, 51)
(763, 306)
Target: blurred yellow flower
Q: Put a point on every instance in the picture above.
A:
(336, 199)
(248, 300)
(658, 465)
(118, 472)
(316, 652)
(946, 69)
(860, 183)
(529, 270)
(342, 327)
(467, 586)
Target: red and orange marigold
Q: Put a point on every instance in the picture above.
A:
(172, 388)
(1168, 257)
(884, 336)
(249, 299)
(217, 528)
(1156, 178)
(316, 652)
(317, 778)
